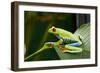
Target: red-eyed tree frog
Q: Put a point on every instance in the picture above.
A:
(67, 42)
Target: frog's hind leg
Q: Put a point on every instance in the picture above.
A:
(71, 49)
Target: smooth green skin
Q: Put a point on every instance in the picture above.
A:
(64, 34)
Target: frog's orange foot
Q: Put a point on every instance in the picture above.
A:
(63, 49)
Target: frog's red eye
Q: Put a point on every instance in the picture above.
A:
(54, 29)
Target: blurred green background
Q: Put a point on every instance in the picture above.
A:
(36, 26)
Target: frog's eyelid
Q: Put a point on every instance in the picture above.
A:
(53, 26)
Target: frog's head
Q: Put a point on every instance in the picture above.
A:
(53, 30)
